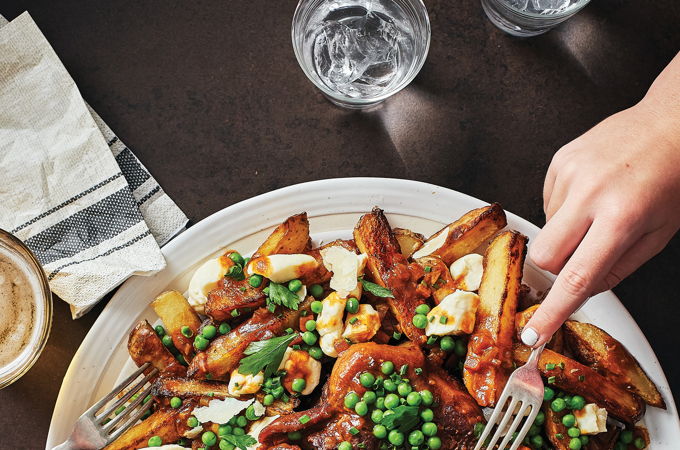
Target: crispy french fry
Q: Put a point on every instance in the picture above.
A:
(175, 312)
(292, 236)
(188, 387)
(144, 345)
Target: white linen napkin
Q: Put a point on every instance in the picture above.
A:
(69, 188)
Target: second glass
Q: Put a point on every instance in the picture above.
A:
(360, 52)
(530, 17)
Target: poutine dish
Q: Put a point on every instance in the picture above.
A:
(389, 340)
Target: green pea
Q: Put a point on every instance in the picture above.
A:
(626, 437)
(232, 421)
(395, 437)
(404, 389)
(351, 400)
(391, 401)
(540, 418)
(380, 431)
(361, 408)
(167, 341)
(294, 436)
(429, 429)
(380, 403)
(584, 440)
(575, 444)
(155, 441)
(119, 410)
(619, 446)
(224, 430)
(316, 290)
(186, 331)
(537, 441)
(315, 352)
(478, 429)
(568, 420)
(422, 309)
(460, 348)
(160, 331)
(548, 394)
(225, 328)
(577, 402)
(192, 422)
(427, 415)
(175, 402)
(369, 397)
(316, 305)
(573, 432)
(277, 392)
(389, 385)
(299, 385)
(237, 258)
(639, 443)
(434, 443)
(294, 285)
(558, 404)
(309, 338)
(250, 413)
(387, 367)
(344, 445)
(209, 331)
(209, 438)
(352, 305)
(238, 431)
(255, 280)
(427, 397)
(376, 416)
(225, 445)
(420, 321)
(201, 343)
(367, 379)
(268, 400)
(241, 421)
(235, 272)
(534, 429)
(414, 399)
(448, 344)
(416, 437)
(310, 325)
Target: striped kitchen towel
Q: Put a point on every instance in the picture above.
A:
(69, 188)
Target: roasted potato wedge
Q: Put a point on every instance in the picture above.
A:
(575, 378)
(225, 352)
(292, 236)
(144, 345)
(437, 277)
(231, 295)
(597, 349)
(373, 235)
(604, 441)
(489, 356)
(464, 235)
(168, 423)
(188, 387)
(409, 241)
(175, 312)
(555, 344)
(554, 428)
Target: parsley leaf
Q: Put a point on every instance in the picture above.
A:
(376, 289)
(242, 442)
(281, 295)
(265, 355)
(405, 417)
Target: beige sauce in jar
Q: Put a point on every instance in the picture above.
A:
(17, 309)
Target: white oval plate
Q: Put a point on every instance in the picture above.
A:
(333, 207)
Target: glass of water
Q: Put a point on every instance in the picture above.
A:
(530, 17)
(359, 52)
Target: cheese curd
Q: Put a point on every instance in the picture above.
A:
(282, 268)
(346, 266)
(240, 384)
(299, 364)
(362, 326)
(194, 432)
(327, 343)
(591, 419)
(221, 411)
(432, 245)
(205, 279)
(329, 319)
(454, 315)
(467, 272)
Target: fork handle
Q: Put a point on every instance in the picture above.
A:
(534, 357)
(68, 445)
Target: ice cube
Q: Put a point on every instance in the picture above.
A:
(550, 5)
(519, 4)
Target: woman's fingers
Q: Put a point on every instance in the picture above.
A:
(559, 238)
(602, 246)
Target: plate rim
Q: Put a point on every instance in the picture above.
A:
(324, 188)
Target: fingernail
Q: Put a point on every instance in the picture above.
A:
(529, 336)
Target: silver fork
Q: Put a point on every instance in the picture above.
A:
(92, 431)
(525, 390)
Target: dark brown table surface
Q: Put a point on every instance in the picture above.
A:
(209, 96)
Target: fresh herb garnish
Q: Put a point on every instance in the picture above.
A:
(282, 296)
(405, 417)
(376, 289)
(242, 442)
(265, 355)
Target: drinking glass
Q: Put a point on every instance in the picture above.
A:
(530, 17)
(359, 52)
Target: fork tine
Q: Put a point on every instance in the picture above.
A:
(493, 419)
(515, 423)
(97, 406)
(123, 428)
(525, 428)
(110, 425)
(504, 422)
(127, 395)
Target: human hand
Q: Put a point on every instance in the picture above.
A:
(612, 201)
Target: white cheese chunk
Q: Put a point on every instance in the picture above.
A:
(433, 244)
(346, 266)
(240, 384)
(454, 315)
(221, 411)
(329, 319)
(259, 409)
(299, 364)
(327, 343)
(467, 272)
(282, 268)
(362, 326)
(257, 427)
(205, 279)
(591, 419)
(194, 432)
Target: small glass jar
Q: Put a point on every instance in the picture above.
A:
(15, 363)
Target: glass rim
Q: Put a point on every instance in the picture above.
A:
(566, 13)
(363, 101)
(45, 301)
